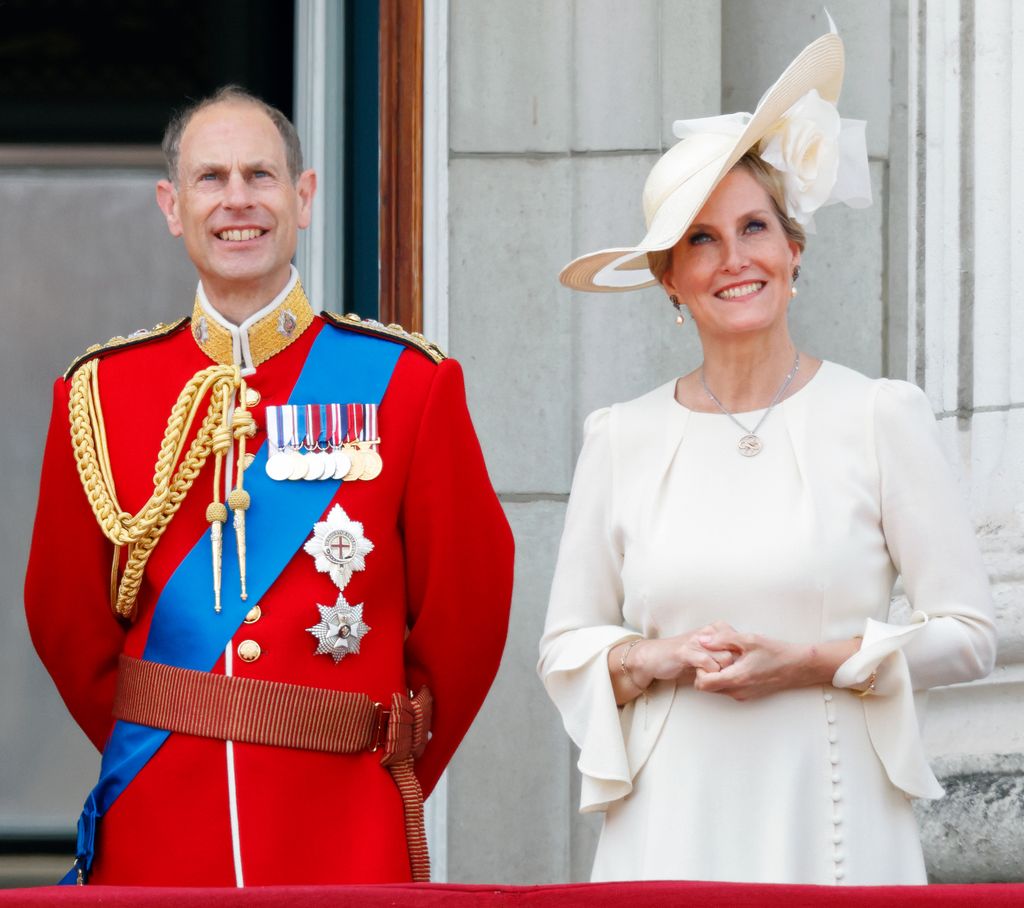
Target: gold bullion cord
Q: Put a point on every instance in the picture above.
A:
(140, 532)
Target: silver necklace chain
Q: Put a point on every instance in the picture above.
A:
(750, 444)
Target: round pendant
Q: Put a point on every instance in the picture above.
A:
(279, 466)
(298, 465)
(342, 463)
(750, 445)
(372, 465)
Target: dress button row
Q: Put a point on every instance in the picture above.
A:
(838, 855)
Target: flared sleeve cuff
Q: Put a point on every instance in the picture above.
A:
(889, 710)
(614, 742)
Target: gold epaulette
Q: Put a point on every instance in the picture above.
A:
(411, 339)
(142, 336)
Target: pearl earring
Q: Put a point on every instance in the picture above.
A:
(674, 300)
(796, 273)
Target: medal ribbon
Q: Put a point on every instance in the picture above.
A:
(334, 431)
(185, 631)
(370, 422)
(354, 430)
(300, 425)
(275, 428)
(321, 427)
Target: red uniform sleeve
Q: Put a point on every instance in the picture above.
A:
(67, 586)
(459, 552)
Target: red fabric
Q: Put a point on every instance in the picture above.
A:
(592, 895)
(440, 572)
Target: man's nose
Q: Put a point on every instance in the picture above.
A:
(237, 193)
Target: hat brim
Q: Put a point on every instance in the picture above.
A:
(818, 66)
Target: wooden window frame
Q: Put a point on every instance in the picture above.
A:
(401, 163)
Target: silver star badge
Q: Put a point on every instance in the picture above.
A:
(340, 629)
(338, 546)
(201, 330)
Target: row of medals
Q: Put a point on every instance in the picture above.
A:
(353, 460)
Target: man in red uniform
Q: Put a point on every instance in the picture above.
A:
(285, 545)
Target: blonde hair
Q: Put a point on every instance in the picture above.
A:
(770, 180)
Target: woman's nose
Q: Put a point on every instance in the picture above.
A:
(734, 259)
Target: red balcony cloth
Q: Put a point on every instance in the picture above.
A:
(591, 895)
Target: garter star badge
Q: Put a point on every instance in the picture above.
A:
(338, 546)
(340, 629)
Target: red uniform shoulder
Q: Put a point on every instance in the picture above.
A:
(136, 338)
(393, 332)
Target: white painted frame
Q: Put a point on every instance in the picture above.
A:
(435, 295)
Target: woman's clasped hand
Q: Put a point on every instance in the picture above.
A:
(717, 658)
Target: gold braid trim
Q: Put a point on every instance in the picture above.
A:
(141, 531)
(394, 332)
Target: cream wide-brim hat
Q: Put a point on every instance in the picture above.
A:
(681, 181)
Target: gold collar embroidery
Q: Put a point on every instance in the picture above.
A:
(261, 339)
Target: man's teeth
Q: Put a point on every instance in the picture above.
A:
(236, 236)
(734, 292)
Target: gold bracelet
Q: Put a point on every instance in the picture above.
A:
(870, 689)
(622, 663)
(872, 678)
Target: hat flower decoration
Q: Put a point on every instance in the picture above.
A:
(795, 128)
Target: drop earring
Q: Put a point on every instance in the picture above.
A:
(674, 300)
(796, 273)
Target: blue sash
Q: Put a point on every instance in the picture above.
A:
(185, 631)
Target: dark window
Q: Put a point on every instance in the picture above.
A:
(111, 71)
(360, 283)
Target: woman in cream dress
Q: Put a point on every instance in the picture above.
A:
(718, 639)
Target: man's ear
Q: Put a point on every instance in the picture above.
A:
(167, 199)
(305, 186)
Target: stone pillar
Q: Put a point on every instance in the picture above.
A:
(964, 260)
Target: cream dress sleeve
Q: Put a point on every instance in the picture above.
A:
(584, 622)
(951, 637)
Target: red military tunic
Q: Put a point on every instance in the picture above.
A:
(436, 591)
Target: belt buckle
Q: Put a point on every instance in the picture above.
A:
(380, 732)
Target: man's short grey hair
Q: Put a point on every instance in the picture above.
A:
(230, 94)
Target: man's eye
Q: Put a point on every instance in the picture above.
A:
(207, 177)
(259, 174)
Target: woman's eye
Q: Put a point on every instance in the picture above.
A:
(756, 226)
(697, 239)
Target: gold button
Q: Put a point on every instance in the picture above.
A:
(254, 614)
(249, 651)
(252, 397)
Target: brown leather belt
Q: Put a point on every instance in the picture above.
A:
(286, 715)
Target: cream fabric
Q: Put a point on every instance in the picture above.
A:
(669, 528)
